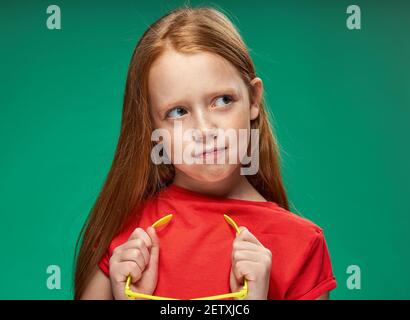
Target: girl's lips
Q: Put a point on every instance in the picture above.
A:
(215, 152)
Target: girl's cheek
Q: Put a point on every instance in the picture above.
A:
(237, 117)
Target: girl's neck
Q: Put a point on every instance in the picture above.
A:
(235, 186)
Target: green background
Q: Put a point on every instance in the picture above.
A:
(341, 105)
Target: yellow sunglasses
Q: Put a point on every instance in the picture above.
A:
(239, 295)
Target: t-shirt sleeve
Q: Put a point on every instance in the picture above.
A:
(315, 275)
(104, 263)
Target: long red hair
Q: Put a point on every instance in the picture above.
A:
(133, 177)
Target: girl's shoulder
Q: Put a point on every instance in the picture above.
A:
(276, 224)
(301, 255)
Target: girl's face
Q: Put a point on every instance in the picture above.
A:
(197, 99)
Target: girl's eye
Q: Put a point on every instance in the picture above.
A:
(175, 113)
(179, 111)
(225, 99)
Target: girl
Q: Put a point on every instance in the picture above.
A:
(191, 73)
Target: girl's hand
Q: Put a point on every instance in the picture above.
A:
(137, 257)
(250, 259)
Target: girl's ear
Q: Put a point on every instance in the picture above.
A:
(257, 91)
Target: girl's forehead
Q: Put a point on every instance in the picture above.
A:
(174, 75)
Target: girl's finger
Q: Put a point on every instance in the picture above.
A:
(132, 269)
(133, 255)
(140, 233)
(124, 269)
(137, 244)
(246, 235)
(245, 269)
(239, 244)
(239, 255)
(152, 233)
(154, 254)
(237, 273)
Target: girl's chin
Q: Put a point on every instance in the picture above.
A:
(211, 172)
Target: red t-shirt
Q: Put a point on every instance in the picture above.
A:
(196, 245)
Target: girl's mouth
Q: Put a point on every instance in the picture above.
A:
(214, 152)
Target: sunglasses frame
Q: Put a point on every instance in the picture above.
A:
(239, 295)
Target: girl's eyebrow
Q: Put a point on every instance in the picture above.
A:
(227, 90)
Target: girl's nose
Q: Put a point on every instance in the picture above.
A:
(204, 128)
(204, 135)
